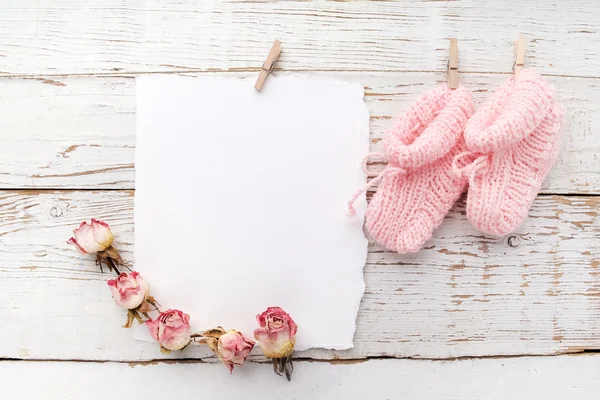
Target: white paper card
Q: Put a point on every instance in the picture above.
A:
(241, 196)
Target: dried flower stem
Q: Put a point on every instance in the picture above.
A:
(113, 264)
(131, 316)
(152, 301)
(111, 257)
(284, 365)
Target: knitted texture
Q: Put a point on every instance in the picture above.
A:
(418, 187)
(514, 136)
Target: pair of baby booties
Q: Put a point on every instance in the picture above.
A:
(440, 145)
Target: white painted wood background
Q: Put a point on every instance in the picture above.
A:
(67, 138)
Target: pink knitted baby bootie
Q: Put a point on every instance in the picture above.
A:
(514, 136)
(418, 186)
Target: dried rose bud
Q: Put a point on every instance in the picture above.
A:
(92, 238)
(277, 333)
(171, 329)
(277, 337)
(129, 291)
(232, 347)
(96, 238)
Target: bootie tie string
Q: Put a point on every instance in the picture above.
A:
(389, 170)
(472, 168)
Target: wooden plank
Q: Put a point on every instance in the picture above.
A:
(535, 292)
(74, 133)
(79, 132)
(61, 37)
(523, 378)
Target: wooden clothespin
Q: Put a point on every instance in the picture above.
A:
(519, 55)
(453, 64)
(268, 65)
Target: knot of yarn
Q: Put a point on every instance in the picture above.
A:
(472, 168)
(389, 170)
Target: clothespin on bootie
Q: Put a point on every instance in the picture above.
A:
(267, 67)
(519, 55)
(453, 64)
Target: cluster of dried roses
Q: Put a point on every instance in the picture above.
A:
(171, 328)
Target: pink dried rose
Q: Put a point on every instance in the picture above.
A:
(96, 238)
(171, 329)
(277, 333)
(93, 237)
(277, 337)
(132, 292)
(232, 347)
(129, 291)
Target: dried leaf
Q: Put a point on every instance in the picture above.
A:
(214, 332)
(283, 365)
(144, 308)
(137, 316)
(130, 319)
(210, 342)
(113, 254)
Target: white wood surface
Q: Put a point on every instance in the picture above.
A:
(536, 292)
(115, 36)
(67, 135)
(523, 378)
(79, 132)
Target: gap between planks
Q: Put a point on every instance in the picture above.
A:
(369, 193)
(339, 361)
(133, 74)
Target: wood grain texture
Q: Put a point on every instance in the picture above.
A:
(535, 292)
(523, 378)
(79, 132)
(65, 37)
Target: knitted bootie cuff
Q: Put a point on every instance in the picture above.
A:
(512, 113)
(429, 128)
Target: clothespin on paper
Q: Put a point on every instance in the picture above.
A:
(268, 65)
(453, 64)
(519, 55)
